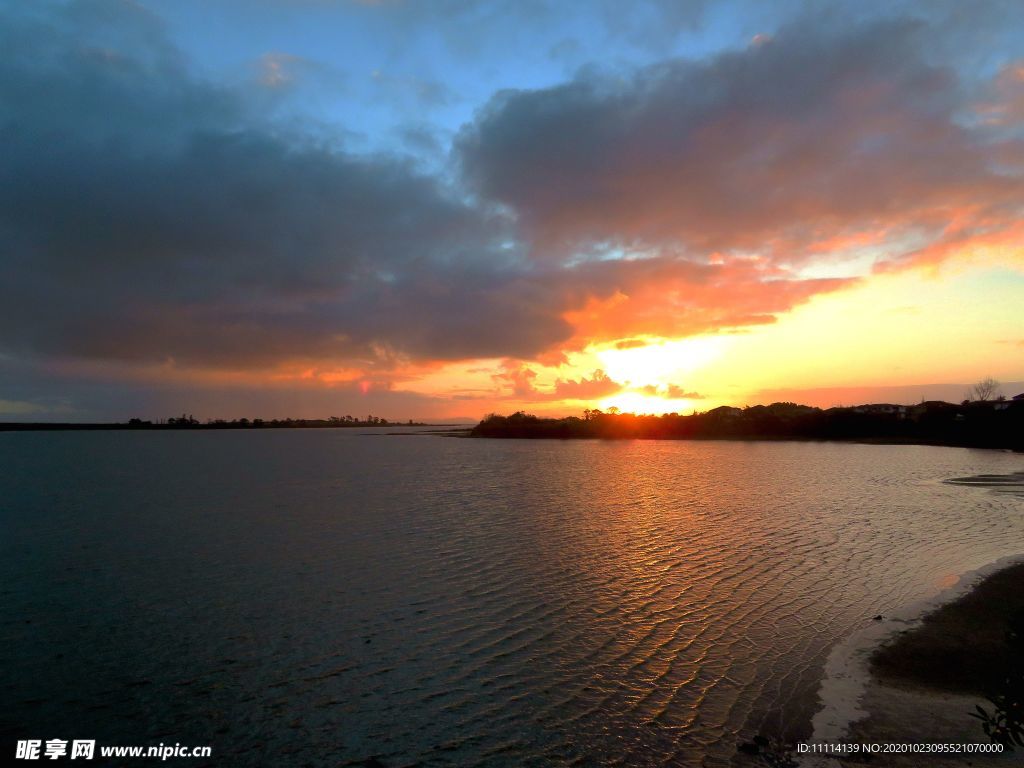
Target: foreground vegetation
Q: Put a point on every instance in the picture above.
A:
(986, 424)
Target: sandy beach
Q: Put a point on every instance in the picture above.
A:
(894, 682)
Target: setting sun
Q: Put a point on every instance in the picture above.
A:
(660, 362)
(636, 402)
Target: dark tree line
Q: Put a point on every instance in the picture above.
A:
(989, 424)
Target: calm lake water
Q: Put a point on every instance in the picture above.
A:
(326, 597)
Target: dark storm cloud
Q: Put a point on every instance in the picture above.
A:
(821, 132)
(147, 215)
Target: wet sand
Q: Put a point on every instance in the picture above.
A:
(915, 677)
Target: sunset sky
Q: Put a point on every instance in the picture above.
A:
(418, 209)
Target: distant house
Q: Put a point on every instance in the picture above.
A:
(1014, 402)
(931, 407)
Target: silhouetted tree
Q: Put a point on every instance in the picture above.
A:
(985, 389)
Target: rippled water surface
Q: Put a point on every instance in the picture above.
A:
(323, 597)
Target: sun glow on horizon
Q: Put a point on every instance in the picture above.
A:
(642, 404)
(662, 362)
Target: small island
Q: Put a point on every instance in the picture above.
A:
(977, 424)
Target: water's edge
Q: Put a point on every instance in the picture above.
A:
(847, 671)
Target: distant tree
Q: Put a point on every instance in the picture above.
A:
(985, 390)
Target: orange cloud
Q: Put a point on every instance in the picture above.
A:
(666, 299)
(521, 378)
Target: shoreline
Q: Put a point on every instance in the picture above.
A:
(849, 692)
(11, 426)
(908, 441)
